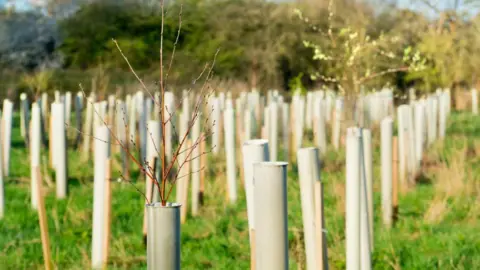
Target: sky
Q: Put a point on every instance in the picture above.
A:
(419, 5)
(19, 4)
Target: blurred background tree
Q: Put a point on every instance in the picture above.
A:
(259, 42)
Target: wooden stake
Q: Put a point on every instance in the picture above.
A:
(395, 179)
(320, 238)
(149, 194)
(203, 163)
(108, 210)
(253, 261)
(239, 127)
(239, 136)
(186, 182)
(42, 218)
(258, 118)
(220, 132)
(239, 164)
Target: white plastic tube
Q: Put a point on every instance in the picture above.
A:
(253, 151)
(367, 174)
(60, 149)
(2, 193)
(35, 152)
(387, 170)
(229, 125)
(215, 122)
(321, 138)
(87, 138)
(273, 130)
(7, 134)
(353, 182)
(271, 226)
(337, 123)
(153, 150)
(309, 173)
(286, 129)
(102, 152)
(196, 166)
(169, 112)
(163, 242)
(68, 107)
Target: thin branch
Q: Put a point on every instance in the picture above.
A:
(382, 73)
(154, 144)
(193, 83)
(162, 108)
(128, 181)
(190, 173)
(114, 136)
(89, 135)
(131, 68)
(190, 126)
(179, 169)
(176, 41)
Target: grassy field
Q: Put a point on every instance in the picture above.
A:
(438, 225)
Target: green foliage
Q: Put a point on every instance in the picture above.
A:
(263, 46)
(37, 82)
(355, 53)
(88, 35)
(347, 43)
(296, 86)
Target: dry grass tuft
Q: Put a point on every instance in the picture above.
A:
(453, 178)
(436, 211)
(477, 148)
(338, 188)
(297, 248)
(463, 98)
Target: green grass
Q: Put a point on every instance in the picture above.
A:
(218, 238)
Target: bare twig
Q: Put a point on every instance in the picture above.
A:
(176, 41)
(115, 137)
(131, 68)
(133, 184)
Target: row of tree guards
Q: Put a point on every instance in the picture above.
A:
(260, 126)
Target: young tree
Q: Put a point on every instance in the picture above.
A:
(352, 55)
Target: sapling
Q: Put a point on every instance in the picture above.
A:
(163, 245)
(355, 58)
